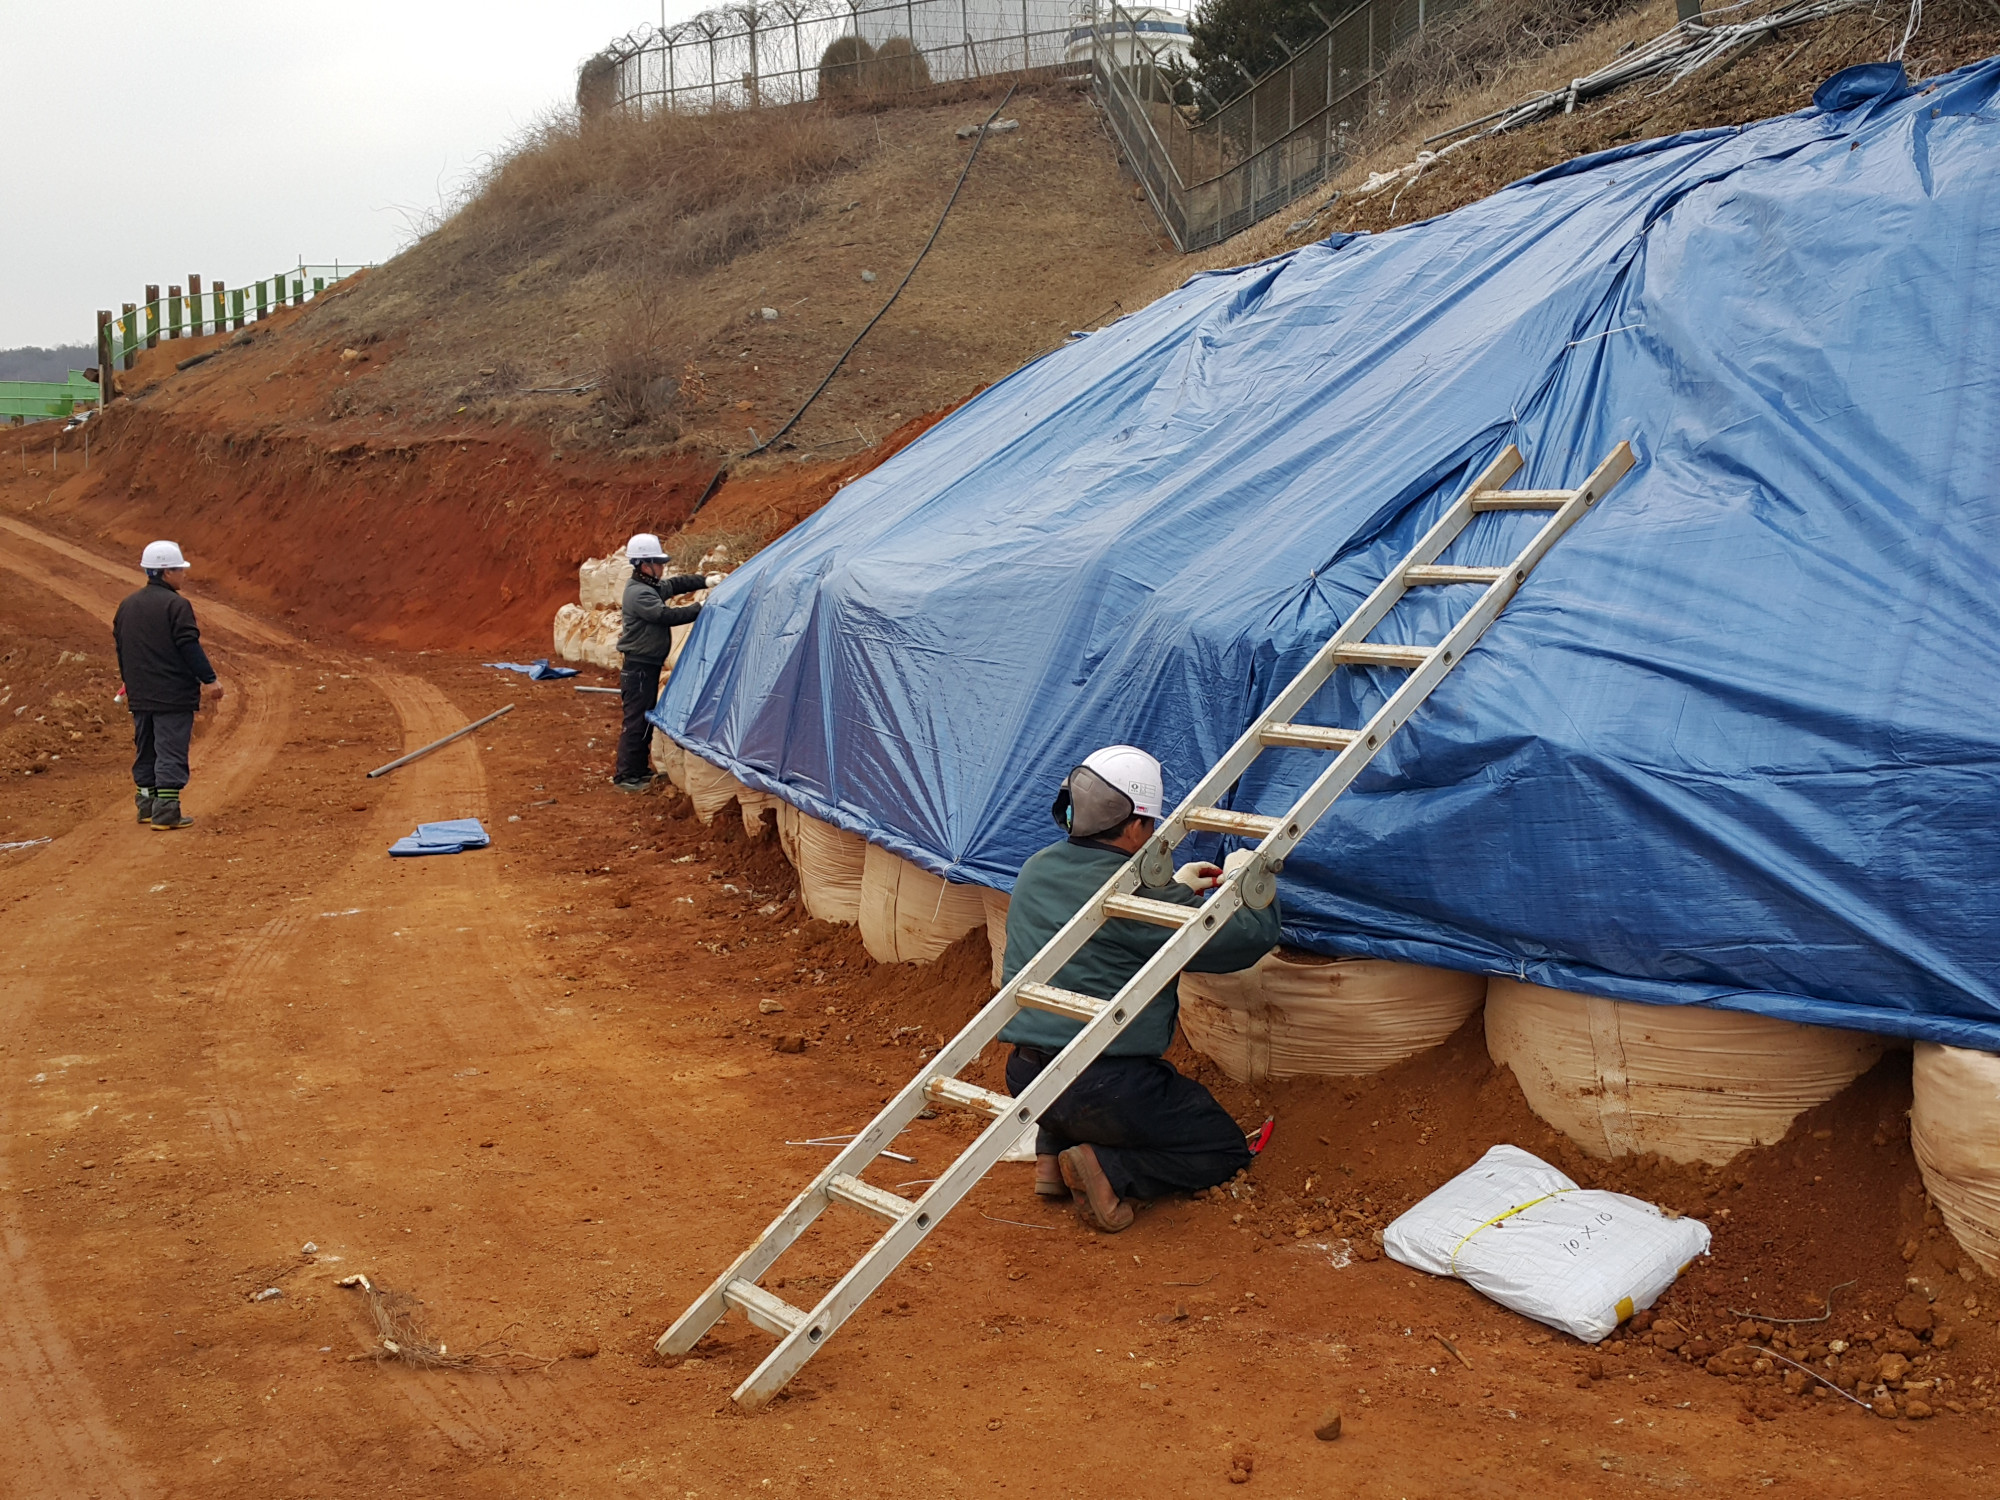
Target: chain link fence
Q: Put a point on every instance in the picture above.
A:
(1279, 139)
(743, 56)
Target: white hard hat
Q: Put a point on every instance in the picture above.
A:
(162, 555)
(644, 547)
(1133, 772)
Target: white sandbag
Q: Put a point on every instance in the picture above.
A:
(788, 833)
(1297, 1014)
(1514, 1228)
(996, 904)
(589, 636)
(669, 760)
(830, 862)
(1689, 1082)
(760, 810)
(1955, 1132)
(711, 788)
(600, 582)
(910, 916)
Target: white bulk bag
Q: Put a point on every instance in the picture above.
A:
(1514, 1228)
(1955, 1131)
(1296, 1014)
(600, 582)
(830, 862)
(910, 916)
(711, 788)
(669, 760)
(755, 805)
(589, 636)
(996, 904)
(1687, 1081)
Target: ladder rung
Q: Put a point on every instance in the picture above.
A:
(1369, 654)
(1521, 499)
(1221, 820)
(970, 1096)
(1446, 573)
(853, 1190)
(767, 1310)
(1308, 736)
(1078, 1007)
(1140, 909)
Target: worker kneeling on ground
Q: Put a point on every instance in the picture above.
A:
(646, 642)
(167, 678)
(1130, 1126)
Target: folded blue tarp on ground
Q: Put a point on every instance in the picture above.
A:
(452, 836)
(536, 671)
(1736, 743)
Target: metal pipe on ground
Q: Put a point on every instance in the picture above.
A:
(422, 751)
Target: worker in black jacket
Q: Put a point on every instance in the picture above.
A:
(646, 642)
(167, 678)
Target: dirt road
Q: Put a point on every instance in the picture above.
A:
(532, 1088)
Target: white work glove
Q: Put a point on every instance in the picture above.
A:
(1234, 862)
(1199, 875)
(713, 580)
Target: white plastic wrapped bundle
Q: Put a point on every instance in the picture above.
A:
(1297, 1014)
(1514, 1228)
(909, 915)
(589, 636)
(1955, 1131)
(711, 788)
(996, 903)
(830, 863)
(1686, 1081)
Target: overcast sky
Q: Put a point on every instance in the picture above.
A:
(235, 138)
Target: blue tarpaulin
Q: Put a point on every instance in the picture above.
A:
(537, 670)
(450, 836)
(1736, 743)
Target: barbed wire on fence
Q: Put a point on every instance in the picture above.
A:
(789, 51)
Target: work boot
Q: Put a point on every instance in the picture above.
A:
(1096, 1199)
(632, 783)
(1049, 1179)
(143, 799)
(167, 812)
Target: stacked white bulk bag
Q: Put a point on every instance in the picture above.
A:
(830, 862)
(669, 760)
(1296, 1014)
(600, 581)
(995, 904)
(1955, 1132)
(589, 636)
(709, 786)
(909, 915)
(1689, 1082)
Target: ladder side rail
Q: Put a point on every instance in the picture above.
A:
(1448, 653)
(854, 1158)
(888, 1252)
(1313, 676)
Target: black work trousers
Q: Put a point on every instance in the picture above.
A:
(161, 742)
(639, 685)
(1154, 1131)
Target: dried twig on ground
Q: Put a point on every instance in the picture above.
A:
(399, 1326)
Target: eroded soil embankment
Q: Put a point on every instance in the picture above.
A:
(452, 540)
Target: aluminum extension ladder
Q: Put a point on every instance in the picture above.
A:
(801, 1331)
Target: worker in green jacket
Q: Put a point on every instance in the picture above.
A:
(1130, 1126)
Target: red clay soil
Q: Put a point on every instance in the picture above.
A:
(466, 540)
(534, 1094)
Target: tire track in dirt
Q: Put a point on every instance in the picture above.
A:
(65, 1443)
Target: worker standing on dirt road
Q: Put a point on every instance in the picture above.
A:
(646, 642)
(167, 678)
(1130, 1126)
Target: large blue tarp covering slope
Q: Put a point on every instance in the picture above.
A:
(1736, 743)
